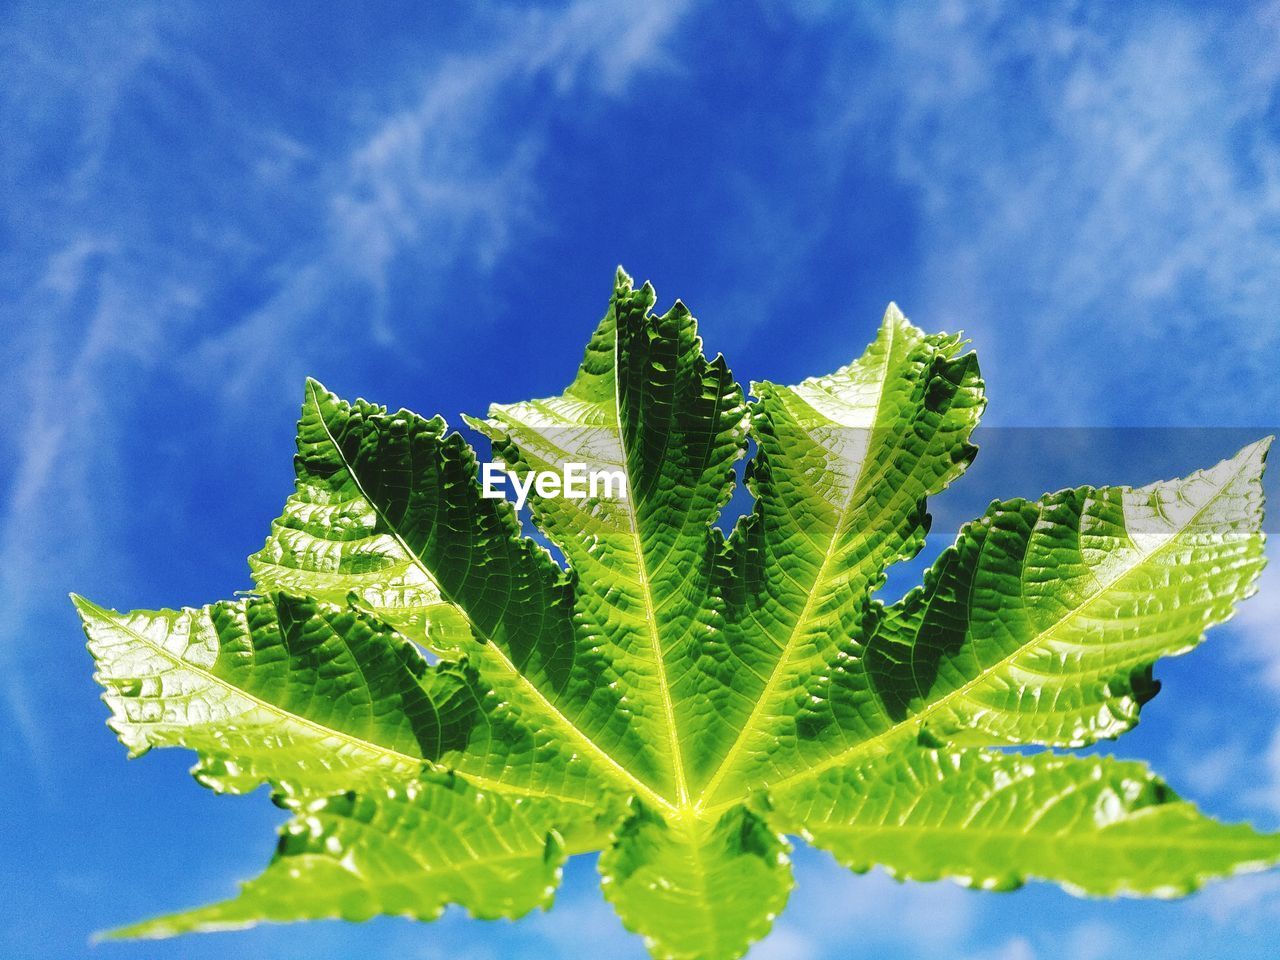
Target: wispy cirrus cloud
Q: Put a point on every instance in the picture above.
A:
(1095, 200)
(1102, 206)
(1259, 622)
(832, 907)
(1248, 763)
(166, 228)
(444, 176)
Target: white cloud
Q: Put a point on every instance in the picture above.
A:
(1094, 940)
(1091, 940)
(1245, 904)
(428, 180)
(113, 296)
(787, 942)
(1264, 777)
(581, 925)
(831, 905)
(1207, 764)
(1099, 200)
(1258, 622)
(1016, 948)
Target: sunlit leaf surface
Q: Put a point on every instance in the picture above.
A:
(448, 713)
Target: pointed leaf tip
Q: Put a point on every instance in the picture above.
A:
(87, 608)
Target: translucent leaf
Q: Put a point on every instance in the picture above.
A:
(312, 698)
(406, 851)
(680, 702)
(1094, 825)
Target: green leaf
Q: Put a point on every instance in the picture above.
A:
(1094, 825)
(697, 887)
(406, 851)
(312, 698)
(301, 694)
(678, 701)
(1041, 624)
(420, 485)
(332, 543)
(648, 405)
(845, 463)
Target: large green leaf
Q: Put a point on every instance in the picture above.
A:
(313, 698)
(1095, 825)
(408, 851)
(845, 463)
(648, 405)
(695, 886)
(680, 702)
(1042, 623)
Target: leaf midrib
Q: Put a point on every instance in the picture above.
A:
(267, 705)
(359, 742)
(650, 615)
(726, 763)
(1106, 835)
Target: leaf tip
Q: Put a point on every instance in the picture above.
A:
(1264, 445)
(479, 424)
(87, 609)
(117, 935)
(134, 931)
(313, 390)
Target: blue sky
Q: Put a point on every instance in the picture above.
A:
(200, 204)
